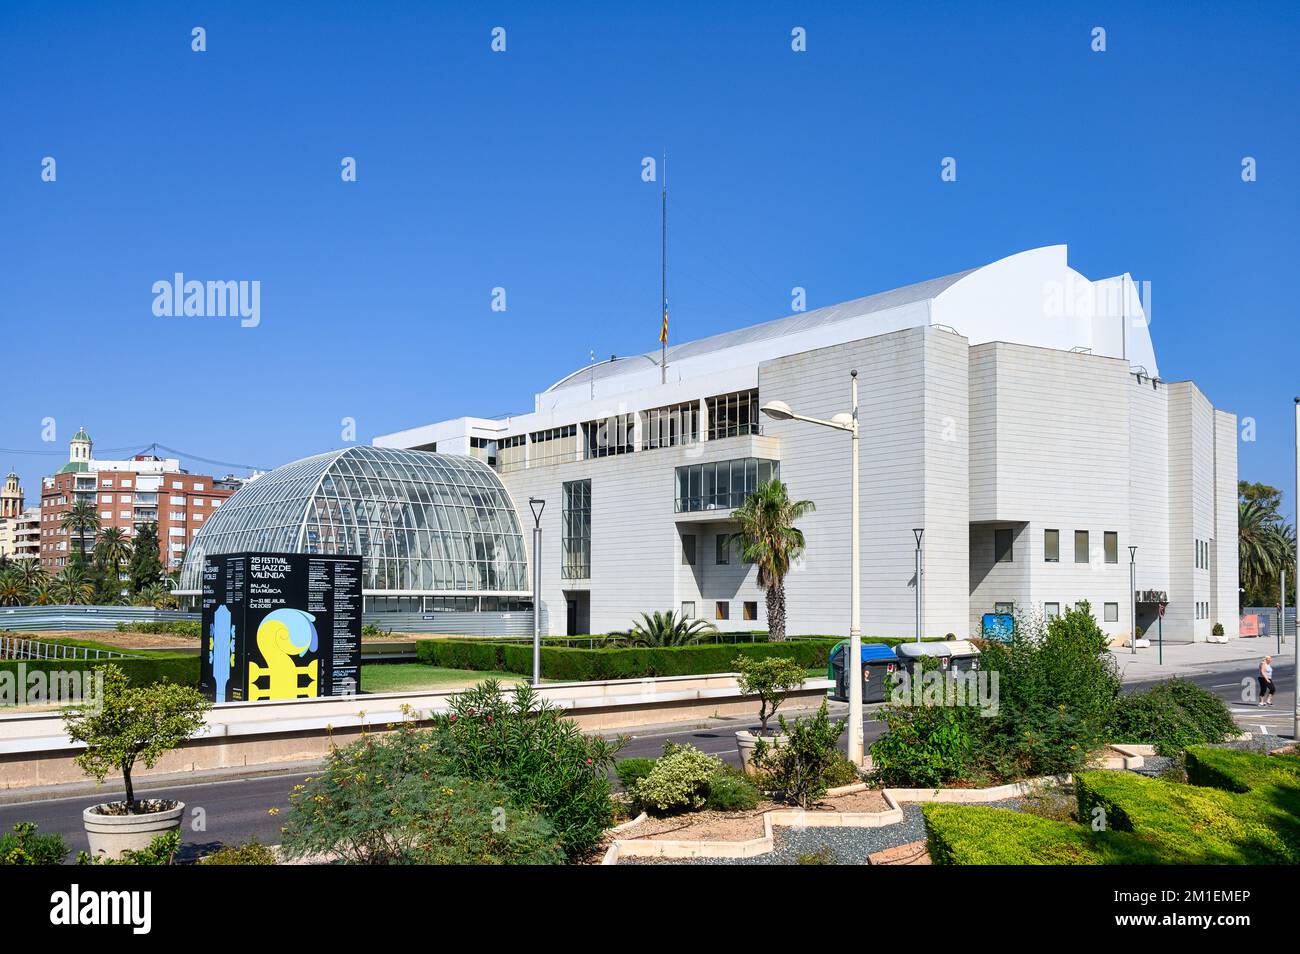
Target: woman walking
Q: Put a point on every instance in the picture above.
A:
(1266, 682)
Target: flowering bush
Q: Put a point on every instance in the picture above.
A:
(541, 758)
(679, 781)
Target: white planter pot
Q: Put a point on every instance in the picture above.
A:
(745, 742)
(111, 835)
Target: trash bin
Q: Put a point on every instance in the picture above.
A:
(954, 655)
(878, 664)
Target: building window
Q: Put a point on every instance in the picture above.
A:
(751, 609)
(512, 453)
(1110, 546)
(483, 448)
(722, 555)
(722, 610)
(671, 426)
(1111, 614)
(1051, 546)
(1051, 610)
(1081, 546)
(688, 549)
(688, 609)
(1002, 546)
(576, 529)
(723, 484)
(1003, 608)
(731, 415)
(553, 446)
(608, 437)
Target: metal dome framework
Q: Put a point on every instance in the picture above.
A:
(426, 524)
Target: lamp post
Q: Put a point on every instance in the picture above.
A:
(1133, 599)
(537, 505)
(918, 533)
(780, 411)
(1295, 723)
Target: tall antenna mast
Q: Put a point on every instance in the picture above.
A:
(663, 275)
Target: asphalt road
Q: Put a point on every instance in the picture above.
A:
(237, 810)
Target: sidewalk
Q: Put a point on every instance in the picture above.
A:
(1191, 659)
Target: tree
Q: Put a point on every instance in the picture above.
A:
(132, 723)
(769, 537)
(72, 586)
(667, 629)
(12, 591)
(112, 550)
(1265, 543)
(145, 568)
(81, 520)
(771, 679)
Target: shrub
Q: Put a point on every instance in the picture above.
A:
(822, 856)
(23, 846)
(249, 853)
(585, 665)
(926, 746)
(797, 768)
(130, 724)
(631, 771)
(1236, 771)
(542, 758)
(161, 851)
(1172, 715)
(1192, 824)
(770, 679)
(175, 668)
(730, 790)
(842, 772)
(679, 781)
(163, 627)
(387, 801)
(980, 835)
(1217, 630)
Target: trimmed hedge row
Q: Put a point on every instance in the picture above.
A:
(1194, 824)
(1235, 771)
(583, 665)
(980, 835)
(182, 669)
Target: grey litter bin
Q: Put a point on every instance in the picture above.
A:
(954, 655)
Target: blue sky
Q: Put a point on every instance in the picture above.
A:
(522, 170)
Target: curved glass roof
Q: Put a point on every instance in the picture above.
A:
(426, 524)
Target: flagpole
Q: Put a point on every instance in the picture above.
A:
(663, 275)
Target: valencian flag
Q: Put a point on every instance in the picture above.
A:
(663, 331)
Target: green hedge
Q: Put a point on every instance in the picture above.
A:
(584, 665)
(980, 835)
(1235, 771)
(1193, 824)
(182, 669)
(163, 627)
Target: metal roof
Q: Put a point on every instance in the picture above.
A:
(776, 328)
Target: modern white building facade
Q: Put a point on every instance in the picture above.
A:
(1015, 412)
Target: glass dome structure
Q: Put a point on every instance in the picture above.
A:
(426, 524)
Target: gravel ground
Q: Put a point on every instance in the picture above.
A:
(847, 846)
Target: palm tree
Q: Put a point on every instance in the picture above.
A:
(81, 519)
(769, 537)
(155, 595)
(12, 591)
(1265, 546)
(41, 591)
(667, 629)
(31, 572)
(72, 587)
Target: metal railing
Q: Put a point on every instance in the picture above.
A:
(14, 647)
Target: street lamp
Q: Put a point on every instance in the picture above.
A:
(780, 411)
(918, 532)
(1133, 599)
(537, 505)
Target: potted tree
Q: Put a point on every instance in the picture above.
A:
(125, 725)
(771, 679)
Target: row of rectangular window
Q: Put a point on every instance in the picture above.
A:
(1202, 554)
(723, 544)
(722, 609)
(673, 425)
(1003, 546)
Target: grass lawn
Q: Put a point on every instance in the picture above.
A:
(404, 677)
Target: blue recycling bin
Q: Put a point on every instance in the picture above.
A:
(877, 666)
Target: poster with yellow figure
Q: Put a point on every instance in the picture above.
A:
(281, 626)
